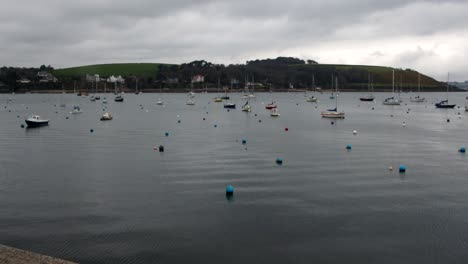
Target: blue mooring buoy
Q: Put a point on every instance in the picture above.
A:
(402, 168)
(279, 161)
(349, 147)
(91, 130)
(244, 141)
(229, 190)
(462, 150)
(215, 126)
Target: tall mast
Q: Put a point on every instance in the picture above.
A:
(448, 80)
(393, 83)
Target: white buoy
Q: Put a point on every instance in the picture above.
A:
(354, 132)
(390, 168)
(404, 124)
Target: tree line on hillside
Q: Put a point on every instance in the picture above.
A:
(262, 75)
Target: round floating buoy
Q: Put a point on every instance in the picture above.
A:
(372, 108)
(255, 115)
(391, 115)
(286, 129)
(204, 119)
(66, 117)
(349, 147)
(332, 123)
(215, 125)
(91, 130)
(229, 190)
(178, 121)
(178, 115)
(228, 110)
(390, 168)
(404, 124)
(259, 120)
(17, 116)
(448, 120)
(354, 132)
(22, 125)
(244, 141)
(279, 161)
(166, 134)
(462, 150)
(161, 148)
(402, 168)
(206, 112)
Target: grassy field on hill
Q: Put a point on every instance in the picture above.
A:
(105, 70)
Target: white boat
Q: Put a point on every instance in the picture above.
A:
(106, 117)
(190, 102)
(334, 113)
(418, 98)
(311, 99)
(36, 121)
(274, 112)
(246, 107)
(191, 94)
(159, 102)
(251, 95)
(245, 96)
(392, 100)
(92, 98)
(76, 110)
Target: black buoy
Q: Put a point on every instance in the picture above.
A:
(22, 125)
(161, 148)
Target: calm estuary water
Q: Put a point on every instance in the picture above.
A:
(109, 197)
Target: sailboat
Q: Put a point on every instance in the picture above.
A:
(246, 107)
(444, 103)
(274, 112)
(160, 101)
(189, 100)
(312, 99)
(119, 97)
(332, 96)
(370, 97)
(333, 113)
(418, 98)
(392, 100)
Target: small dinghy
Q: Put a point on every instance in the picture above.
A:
(246, 107)
(76, 110)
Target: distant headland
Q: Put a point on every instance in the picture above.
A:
(277, 75)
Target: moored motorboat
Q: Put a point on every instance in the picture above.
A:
(36, 121)
(217, 100)
(418, 99)
(190, 102)
(245, 96)
(444, 104)
(159, 102)
(230, 105)
(119, 98)
(369, 98)
(391, 101)
(270, 106)
(106, 117)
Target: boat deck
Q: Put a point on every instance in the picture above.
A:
(17, 256)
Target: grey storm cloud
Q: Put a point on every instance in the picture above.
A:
(429, 36)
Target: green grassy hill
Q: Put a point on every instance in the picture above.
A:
(105, 70)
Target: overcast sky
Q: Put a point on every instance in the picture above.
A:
(428, 36)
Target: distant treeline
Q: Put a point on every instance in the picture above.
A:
(277, 74)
